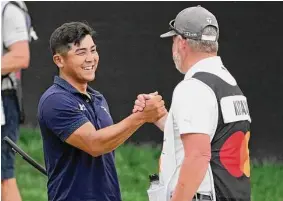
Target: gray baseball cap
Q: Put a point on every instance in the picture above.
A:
(190, 22)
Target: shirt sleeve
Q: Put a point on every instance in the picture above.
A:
(14, 25)
(62, 115)
(195, 108)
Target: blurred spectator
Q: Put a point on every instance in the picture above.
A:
(16, 34)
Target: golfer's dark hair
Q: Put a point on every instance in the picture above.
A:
(66, 34)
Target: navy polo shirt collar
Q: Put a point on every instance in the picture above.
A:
(67, 86)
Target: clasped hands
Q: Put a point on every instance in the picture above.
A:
(150, 106)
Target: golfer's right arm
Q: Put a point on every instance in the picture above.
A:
(61, 115)
(98, 142)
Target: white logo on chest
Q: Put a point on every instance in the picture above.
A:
(82, 107)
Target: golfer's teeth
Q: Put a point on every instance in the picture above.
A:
(88, 68)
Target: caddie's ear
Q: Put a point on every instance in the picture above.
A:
(182, 42)
(180, 38)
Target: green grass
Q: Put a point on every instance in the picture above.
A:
(134, 164)
(267, 182)
(31, 182)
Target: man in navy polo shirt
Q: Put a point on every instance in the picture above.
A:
(77, 130)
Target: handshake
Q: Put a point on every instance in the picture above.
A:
(150, 106)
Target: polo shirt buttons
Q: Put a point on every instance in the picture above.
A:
(87, 100)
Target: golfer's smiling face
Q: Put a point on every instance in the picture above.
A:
(81, 60)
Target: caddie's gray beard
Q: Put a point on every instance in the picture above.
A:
(177, 61)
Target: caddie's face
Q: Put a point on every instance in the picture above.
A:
(81, 61)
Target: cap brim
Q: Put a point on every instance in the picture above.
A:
(168, 34)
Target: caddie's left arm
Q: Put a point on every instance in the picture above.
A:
(194, 107)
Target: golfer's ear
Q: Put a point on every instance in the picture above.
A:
(58, 60)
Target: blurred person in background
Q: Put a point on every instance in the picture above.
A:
(15, 56)
(79, 137)
(205, 153)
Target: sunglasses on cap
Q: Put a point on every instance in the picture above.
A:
(186, 34)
